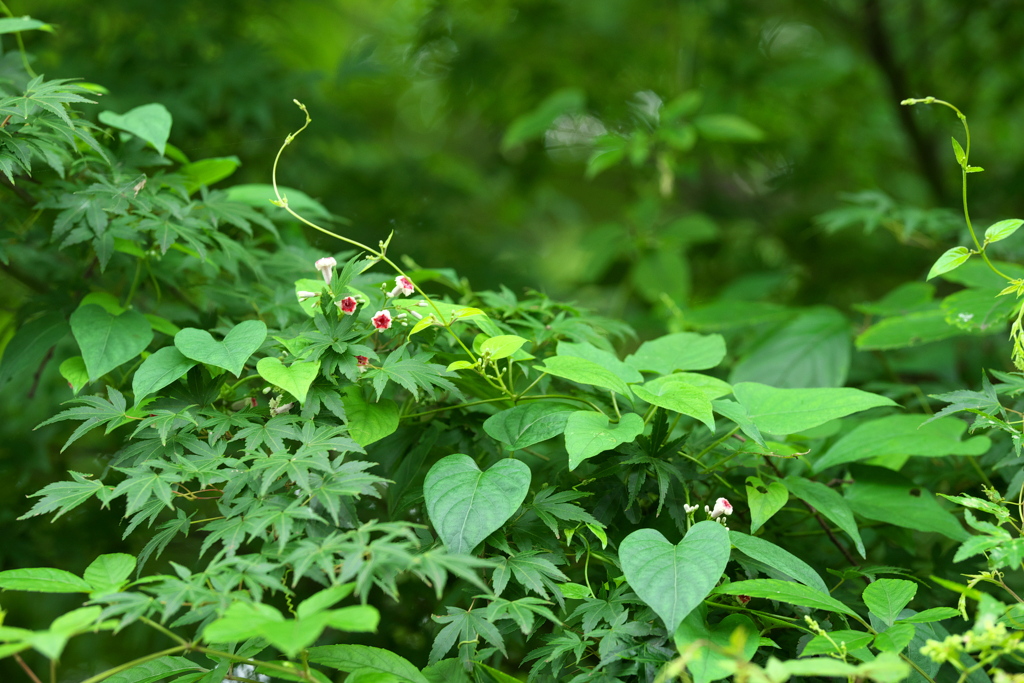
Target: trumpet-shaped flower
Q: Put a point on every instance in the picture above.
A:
(403, 285)
(326, 267)
(347, 305)
(362, 363)
(303, 295)
(382, 319)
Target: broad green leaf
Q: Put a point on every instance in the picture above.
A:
(534, 123)
(903, 435)
(911, 329)
(155, 670)
(764, 501)
(108, 341)
(368, 422)
(109, 573)
(74, 371)
(678, 397)
(884, 496)
(467, 505)
(662, 273)
(30, 344)
(15, 24)
(352, 657)
(812, 350)
(321, 600)
(785, 591)
(240, 621)
(456, 365)
(930, 615)
(584, 372)
(895, 638)
(294, 378)
(789, 411)
(674, 579)
(829, 503)
(501, 346)
(977, 309)
(1002, 229)
(886, 598)
(727, 128)
(680, 351)
(151, 122)
(822, 645)
(950, 260)
(528, 424)
(589, 433)
(42, 580)
(778, 559)
(711, 386)
(208, 171)
(231, 354)
(734, 411)
(158, 370)
(606, 359)
(707, 663)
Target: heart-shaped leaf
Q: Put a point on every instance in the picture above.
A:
(674, 579)
(678, 397)
(951, 259)
(368, 422)
(151, 122)
(159, 370)
(680, 351)
(230, 354)
(108, 341)
(588, 433)
(788, 411)
(707, 663)
(764, 501)
(294, 379)
(525, 425)
(467, 505)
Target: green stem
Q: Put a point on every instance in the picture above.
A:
(714, 444)
(374, 253)
(963, 179)
(167, 632)
(135, 662)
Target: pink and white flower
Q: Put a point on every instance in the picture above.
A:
(347, 305)
(326, 267)
(722, 507)
(382, 319)
(403, 285)
(362, 363)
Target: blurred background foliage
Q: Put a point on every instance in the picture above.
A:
(741, 167)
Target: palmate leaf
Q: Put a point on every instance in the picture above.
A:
(414, 374)
(64, 496)
(93, 411)
(551, 507)
(522, 611)
(533, 570)
(142, 484)
(465, 627)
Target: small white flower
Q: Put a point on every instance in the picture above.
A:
(303, 295)
(326, 267)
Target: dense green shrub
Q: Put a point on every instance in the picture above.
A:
(362, 465)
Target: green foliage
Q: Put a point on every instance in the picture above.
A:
(312, 450)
